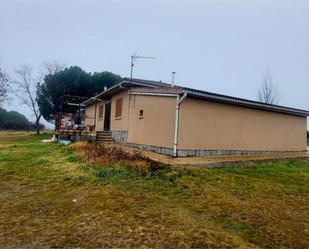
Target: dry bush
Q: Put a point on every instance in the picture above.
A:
(113, 156)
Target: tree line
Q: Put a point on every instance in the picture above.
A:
(13, 120)
(44, 94)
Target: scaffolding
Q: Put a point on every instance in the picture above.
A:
(72, 114)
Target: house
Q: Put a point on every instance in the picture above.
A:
(181, 121)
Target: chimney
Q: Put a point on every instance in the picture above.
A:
(105, 88)
(173, 79)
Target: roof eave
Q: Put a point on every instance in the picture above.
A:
(123, 85)
(262, 106)
(127, 83)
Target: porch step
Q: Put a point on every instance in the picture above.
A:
(104, 132)
(104, 137)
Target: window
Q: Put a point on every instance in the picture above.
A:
(118, 111)
(100, 111)
(141, 114)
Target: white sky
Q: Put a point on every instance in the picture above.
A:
(219, 46)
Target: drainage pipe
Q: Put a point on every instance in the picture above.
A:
(178, 102)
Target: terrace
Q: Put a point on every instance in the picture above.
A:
(72, 122)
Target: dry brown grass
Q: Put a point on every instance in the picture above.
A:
(111, 156)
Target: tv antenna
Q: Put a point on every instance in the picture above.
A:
(135, 57)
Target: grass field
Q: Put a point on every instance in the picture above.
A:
(51, 199)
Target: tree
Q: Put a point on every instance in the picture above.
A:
(51, 67)
(268, 92)
(99, 80)
(25, 90)
(13, 120)
(4, 86)
(71, 81)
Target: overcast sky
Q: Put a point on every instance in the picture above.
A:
(218, 46)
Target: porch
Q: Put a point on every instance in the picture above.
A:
(85, 135)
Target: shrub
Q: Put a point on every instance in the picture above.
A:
(107, 156)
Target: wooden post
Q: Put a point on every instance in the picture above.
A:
(95, 114)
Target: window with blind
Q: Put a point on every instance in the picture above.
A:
(118, 110)
(100, 111)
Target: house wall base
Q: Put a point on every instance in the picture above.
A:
(160, 150)
(205, 153)
(199, 153)
(120, 137)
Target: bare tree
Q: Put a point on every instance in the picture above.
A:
(268, 91)
(25, 90)
(48, 68)
(4, 86)
(51, 67)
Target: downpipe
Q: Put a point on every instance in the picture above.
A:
(178, 102)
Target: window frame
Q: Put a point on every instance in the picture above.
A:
(101, 114)
(118, 110)
(141, 113)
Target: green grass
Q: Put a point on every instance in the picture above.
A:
(49, 198)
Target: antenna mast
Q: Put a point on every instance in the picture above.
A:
(135, 57)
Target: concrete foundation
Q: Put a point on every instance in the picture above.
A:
(200, 153)
(160, 150)
(120, 137)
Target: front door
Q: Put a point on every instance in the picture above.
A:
(107, 116)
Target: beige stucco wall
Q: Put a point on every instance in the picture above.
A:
(120, 124)
(204, 125)
(210, 125)
(90, 113)
(157, 126)
(100, 121)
